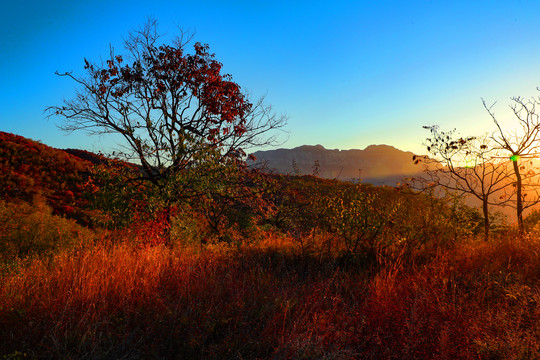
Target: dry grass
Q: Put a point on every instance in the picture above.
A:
(275, 300)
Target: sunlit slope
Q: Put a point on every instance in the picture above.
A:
(30, 168)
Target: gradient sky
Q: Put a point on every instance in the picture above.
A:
(347, 73)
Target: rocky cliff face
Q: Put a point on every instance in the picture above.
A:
(376, 164)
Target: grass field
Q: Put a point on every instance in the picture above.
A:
(273, 299)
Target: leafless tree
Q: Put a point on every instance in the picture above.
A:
(464, 166)
(521, 146)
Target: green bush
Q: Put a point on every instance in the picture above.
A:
(28, 230)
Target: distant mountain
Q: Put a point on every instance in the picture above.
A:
(376, 164)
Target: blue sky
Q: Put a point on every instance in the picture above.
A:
(347, 73)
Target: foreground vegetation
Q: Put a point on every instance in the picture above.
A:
(303, 268)
(272, 299)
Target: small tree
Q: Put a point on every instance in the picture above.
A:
(464, 166)
(358, 215)
(519, 146)
(180, 117)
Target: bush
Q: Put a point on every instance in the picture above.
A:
(29, 230)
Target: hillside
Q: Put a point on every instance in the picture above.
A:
(376, 164)
(30, 168)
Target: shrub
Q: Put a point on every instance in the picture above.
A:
(29, 230)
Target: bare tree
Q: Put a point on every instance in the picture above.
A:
(464, 166)
(520, 147)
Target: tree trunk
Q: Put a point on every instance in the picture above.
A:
(519, 198)
(486, 218)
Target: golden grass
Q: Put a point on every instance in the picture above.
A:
(273, 299)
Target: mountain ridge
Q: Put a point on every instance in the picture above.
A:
(379, 164)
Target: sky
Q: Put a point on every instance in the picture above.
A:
(347, 74)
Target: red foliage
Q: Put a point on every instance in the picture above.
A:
(30, 168)
(171, 70)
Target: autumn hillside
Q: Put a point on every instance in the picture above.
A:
(30, 168)
(278, 267)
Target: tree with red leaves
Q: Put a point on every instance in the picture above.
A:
(170, 106)
(181, 118)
